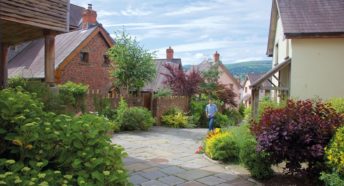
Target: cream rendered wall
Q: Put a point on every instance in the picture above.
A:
(248, 93)
(317, 68)
(282, 50)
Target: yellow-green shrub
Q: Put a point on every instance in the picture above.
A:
(337, 104)
(221, 146)
(335, 151)
(177, 120)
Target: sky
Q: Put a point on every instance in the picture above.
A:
(195, 29)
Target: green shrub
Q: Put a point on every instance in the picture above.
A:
(39, 148)
(73, 94)
(175, 119)
(222, 121)
(335, 160)
(52, 101)
(197, 110)
(16, 82)
(163, 92)
(234, 115)
(256, 162)
(266, 103)
(221, 146)
(332, 179)
(134, 118)
(337, 104)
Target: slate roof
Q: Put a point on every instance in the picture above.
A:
(254, 77)
(30, 62)
(158, 82)
(75, 16)
(311, 17)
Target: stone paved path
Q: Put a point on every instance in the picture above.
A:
(165, 156)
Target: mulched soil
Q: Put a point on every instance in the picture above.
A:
(284, 180)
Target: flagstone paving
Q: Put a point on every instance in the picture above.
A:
(166, 157)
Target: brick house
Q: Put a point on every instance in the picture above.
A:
(80, 55)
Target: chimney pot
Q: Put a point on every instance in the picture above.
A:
(89, 18)
(169, 53)
(216, 57)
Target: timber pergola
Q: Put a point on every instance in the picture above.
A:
(258, 85)
(25, 20)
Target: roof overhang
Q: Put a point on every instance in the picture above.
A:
(272, 29)
(270, 73)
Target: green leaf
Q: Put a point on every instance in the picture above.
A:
(97, 175)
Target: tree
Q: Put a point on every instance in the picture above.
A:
(133, 66)
(213, 88)
(181, 83)
(210, 76)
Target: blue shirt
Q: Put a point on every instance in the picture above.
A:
(211, 109)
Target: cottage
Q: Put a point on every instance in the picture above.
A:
(80, 55)
(306, 43)
(226, 78)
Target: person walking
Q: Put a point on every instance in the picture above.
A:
(210, 111)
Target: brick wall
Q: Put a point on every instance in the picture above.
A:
(163, 104)
(94, 73)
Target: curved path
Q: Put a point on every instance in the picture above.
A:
(166, 156)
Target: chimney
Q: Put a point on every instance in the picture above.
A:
(169, 53)
(89, 18)
(216, 57)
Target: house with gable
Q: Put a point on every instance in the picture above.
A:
(306, 43)
(226, 78)
(246, 97)
(80, 55)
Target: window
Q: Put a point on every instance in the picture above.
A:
(276, 55)
(106, 60)
(84, 57)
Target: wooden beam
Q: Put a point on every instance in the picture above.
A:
(49, 57)
(255, 102)
(3, 65)
(274, 88)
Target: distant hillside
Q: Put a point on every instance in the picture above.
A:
(243, 68)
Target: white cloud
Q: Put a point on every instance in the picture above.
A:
(135, 12)
(188, 10)
(104, 13)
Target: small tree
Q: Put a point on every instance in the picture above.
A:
(181, 83)
(133, 66)
(211, 76)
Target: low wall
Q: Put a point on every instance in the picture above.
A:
(163, 104)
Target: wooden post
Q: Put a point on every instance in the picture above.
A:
(49, 57)
(3, 65)
(255, 102)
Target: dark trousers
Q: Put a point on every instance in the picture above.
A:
(211, 123)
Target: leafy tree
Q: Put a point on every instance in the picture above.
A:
(181, 83)
(133, 66)
(213, 88)
(211, 76)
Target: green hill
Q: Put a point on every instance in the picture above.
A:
(247, 67)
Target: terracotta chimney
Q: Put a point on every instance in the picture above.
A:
(216, 57)
(169, 53)
(89, 18)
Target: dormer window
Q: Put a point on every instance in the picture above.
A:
(84, 57)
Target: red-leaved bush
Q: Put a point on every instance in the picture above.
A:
(297, 134)
(181, 83)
